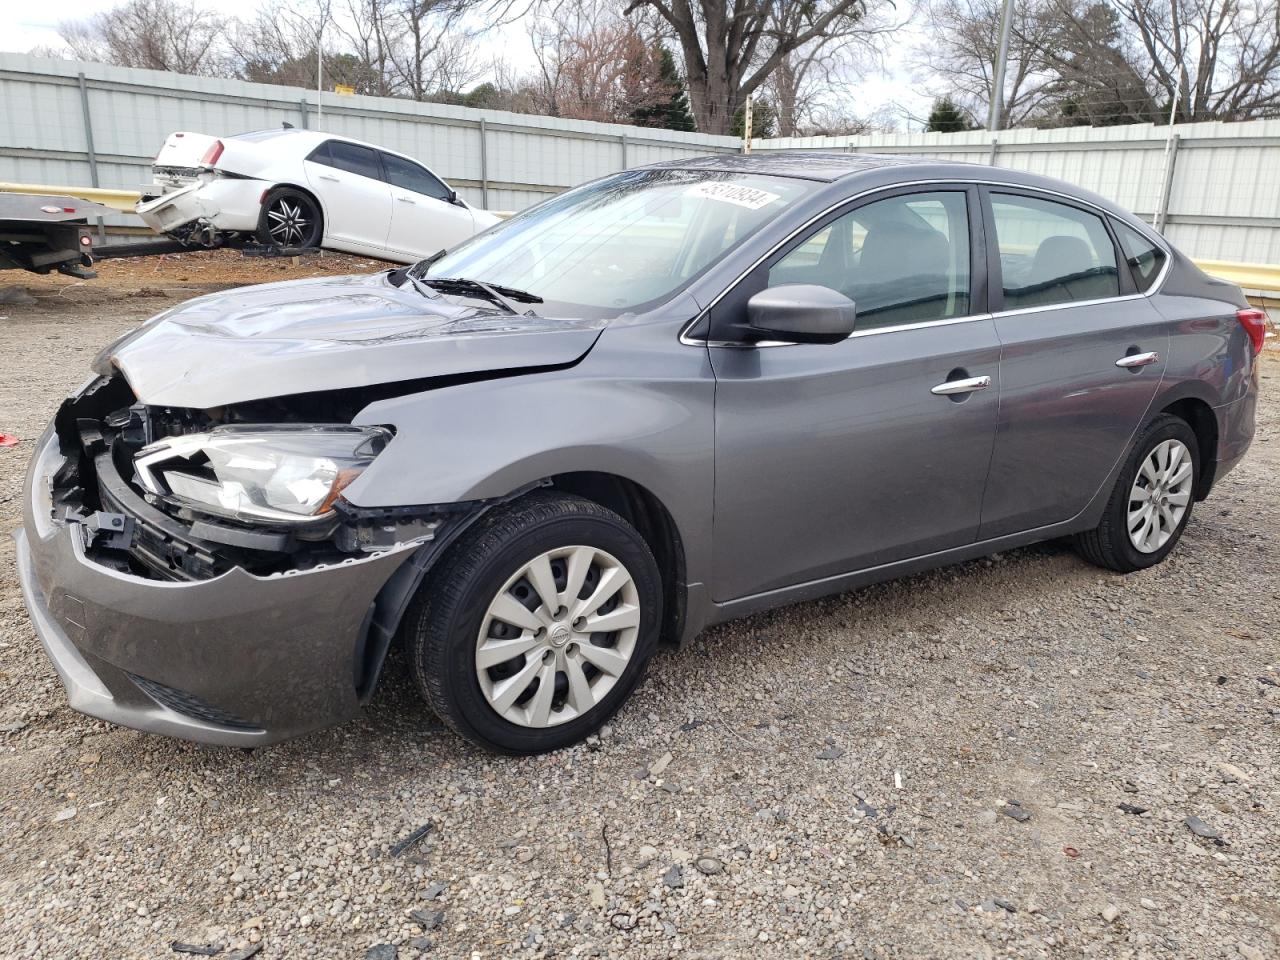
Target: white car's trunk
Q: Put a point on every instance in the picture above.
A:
(177, 165)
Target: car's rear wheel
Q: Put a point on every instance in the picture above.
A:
(537, 625)
(1152, 500)
(289, 218)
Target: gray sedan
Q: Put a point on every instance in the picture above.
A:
(662, 400)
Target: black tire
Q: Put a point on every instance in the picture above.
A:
(1109, 544)
(442, 626)
(306, 227)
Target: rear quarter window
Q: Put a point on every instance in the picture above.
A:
(1145, 259)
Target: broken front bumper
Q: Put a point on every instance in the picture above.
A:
(239, 659)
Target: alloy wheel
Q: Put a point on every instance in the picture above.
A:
(557, 637)
(288, 221)
(1160, 496)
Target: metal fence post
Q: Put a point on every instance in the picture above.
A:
(92, 154)
(995, 146)
(1166, 182)
(302, 109)
(484, 165)
(623, 139)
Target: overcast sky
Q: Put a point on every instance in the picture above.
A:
(24, 26)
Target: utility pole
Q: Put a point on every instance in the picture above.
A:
(746, 126)
(995, 115)
(320, 76)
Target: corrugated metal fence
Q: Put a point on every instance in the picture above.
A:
(90, 124)
(96, 125)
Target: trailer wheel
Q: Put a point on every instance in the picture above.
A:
(289, 218)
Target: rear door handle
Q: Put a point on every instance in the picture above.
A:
(328, 176)
(1138, 360)
(951, 387)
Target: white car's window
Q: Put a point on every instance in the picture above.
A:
(350, 157)
(1145, 259)
(903, 259)
(409, 176)
(625, 242)
(1052, 253)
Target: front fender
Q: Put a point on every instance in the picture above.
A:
(639, 406)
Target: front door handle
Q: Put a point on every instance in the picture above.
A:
(952, 387)
(1138, 360)
(405, 199)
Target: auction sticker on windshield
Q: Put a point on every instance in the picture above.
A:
(752, 198)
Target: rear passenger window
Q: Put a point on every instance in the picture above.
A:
(1052, 253)
(352, 158)
(901, 260)
(1146, 260)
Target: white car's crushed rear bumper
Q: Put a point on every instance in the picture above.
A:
(227, 204)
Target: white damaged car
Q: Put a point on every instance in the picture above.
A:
(291, 189)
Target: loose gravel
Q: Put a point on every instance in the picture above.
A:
(1021, 756)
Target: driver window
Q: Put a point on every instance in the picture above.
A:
(901, 260)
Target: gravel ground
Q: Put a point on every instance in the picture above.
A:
(993, 760)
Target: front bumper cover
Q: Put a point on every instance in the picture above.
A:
(239, 659)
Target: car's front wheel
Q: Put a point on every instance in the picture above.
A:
(1152, 500)
(289, 218)
(537, 624)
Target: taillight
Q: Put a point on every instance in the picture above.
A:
(1254, 322)
(212, 154)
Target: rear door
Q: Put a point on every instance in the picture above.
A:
(347, 177)
(424, 218)
(1083, 352)
(838, 457)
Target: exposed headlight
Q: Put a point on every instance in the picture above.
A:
(278, 474)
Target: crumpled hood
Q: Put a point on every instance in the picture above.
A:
(303, 336)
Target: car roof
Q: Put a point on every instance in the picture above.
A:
(803, 165)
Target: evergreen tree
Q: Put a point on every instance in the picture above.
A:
(669, 108)
(946, 117)
(764, 120)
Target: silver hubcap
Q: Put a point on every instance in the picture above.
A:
(287, 222)
(557, 636)
(1160, 496)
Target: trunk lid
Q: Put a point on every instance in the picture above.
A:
(178, 163)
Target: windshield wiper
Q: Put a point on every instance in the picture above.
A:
(505, 297)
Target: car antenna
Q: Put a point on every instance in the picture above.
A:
(287, 125)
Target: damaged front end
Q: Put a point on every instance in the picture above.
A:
(181, 494)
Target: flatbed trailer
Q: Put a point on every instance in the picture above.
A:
(42, 233)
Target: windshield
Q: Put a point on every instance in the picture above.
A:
(622, 243)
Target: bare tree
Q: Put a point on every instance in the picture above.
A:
(731, 47)
(1111, 61)
(594, 64)
(960, 53)
(155, 34)
(1221, 56)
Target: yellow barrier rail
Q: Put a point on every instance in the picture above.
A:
(122, 200)
(1250, 276)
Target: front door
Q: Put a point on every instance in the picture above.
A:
(424, 219)
(833, 458)
(1083, 354)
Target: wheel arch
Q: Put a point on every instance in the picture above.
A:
(303, 189)
(641, 508)
(1198, 414)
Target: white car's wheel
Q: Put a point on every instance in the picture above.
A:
(290, 218)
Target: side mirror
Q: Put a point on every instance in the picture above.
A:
(453, 196)
(801, 313)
